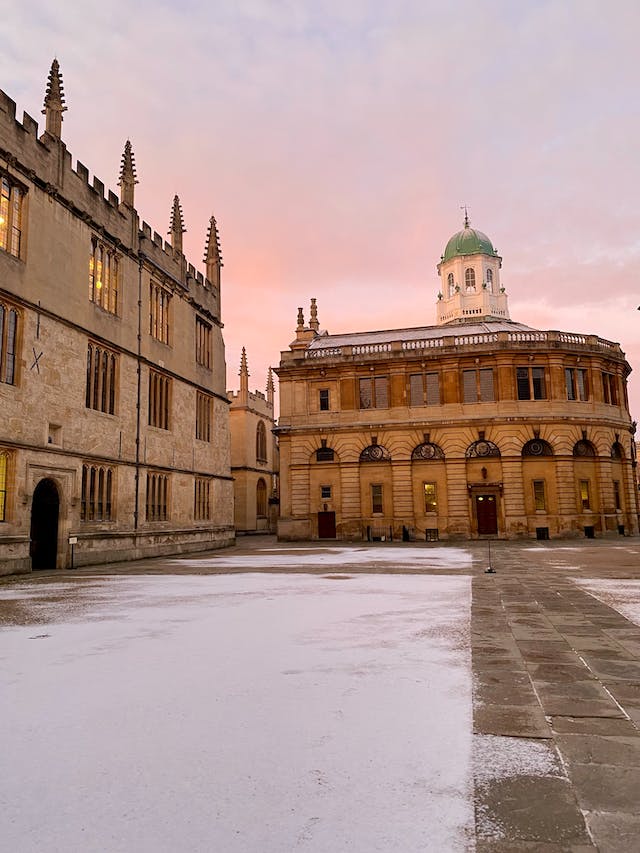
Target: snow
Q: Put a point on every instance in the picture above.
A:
(622, 595)
(238, 712)
(411, 559)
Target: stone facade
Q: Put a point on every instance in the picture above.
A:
(254, 456)
(114, 434)
(476, 426)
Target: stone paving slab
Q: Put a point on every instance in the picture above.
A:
(615, 832)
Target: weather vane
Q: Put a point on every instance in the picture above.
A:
(466, 215)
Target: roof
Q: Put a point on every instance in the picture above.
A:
(416, 334)
(469, 241)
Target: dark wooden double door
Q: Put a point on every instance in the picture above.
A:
(326, 525)
(487, 514)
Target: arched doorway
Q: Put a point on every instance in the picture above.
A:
(45, 509)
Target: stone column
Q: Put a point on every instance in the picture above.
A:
(459, 522)
(515, 518)
(350, 521)
(403, 512)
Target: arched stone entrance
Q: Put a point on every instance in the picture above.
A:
(45, 509)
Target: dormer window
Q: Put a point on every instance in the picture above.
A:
(469, 279)
(450, 284)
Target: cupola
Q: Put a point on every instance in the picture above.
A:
(470, 289)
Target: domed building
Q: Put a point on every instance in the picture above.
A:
(477, 426)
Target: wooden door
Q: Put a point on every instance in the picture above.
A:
(487, 514)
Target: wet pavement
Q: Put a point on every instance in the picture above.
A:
(553, 667)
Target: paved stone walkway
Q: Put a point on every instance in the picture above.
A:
(552, 663)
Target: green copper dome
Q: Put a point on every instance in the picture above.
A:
(469, 241)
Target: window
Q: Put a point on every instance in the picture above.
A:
(324, 399)
(202, 499)
(4, 476)
(430, 498)
(11, 199)
(539, 499)
(577, 383)
(477, 385)
(324, 454)
(424, 389)
(469, 279)
(585, 497)
(97, 485)
(103, 277)
(101, 379)
(376, 499)
(451, 284)
(325, 492)
(203, 342)
(159, 299)
(261, 498)
(261, 442)
(157, 494)
(203, 416)
(616, 494)
(490, 279)
(530, 383)
(374, 393)
(610, 389)
(159, 400)
(8, 342)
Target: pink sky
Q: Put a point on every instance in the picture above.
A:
(336, 141)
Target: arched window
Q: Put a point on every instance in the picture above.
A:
(375, 453)
(261, 498)
(450, 284)
(537, 447)
(261, 442)
(617, 450)
(469, 279)
(427, 450)
(583, 448)
(490, 279)
(4, 474)
(482, 448)
(8, 341)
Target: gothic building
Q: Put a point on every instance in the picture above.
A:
(114, 425)
(477, 426)
(254, 456)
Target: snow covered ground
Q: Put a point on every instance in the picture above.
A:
(387, 556)
(245, 712)
(622, 595)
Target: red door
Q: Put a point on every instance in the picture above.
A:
(326, 525)
(487, 514)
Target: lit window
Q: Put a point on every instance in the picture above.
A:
(585, 497)
(103, 277)
(157, 496)
(203, 342)
(8, 341)
(539, 499)
(376, 499)
(11, 200)
(159, 301)
(202, 499)
(469, 279)
(4, 476)
(101, 379)
(97, 487)
(430, 498)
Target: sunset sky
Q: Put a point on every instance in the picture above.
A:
(335, 142)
